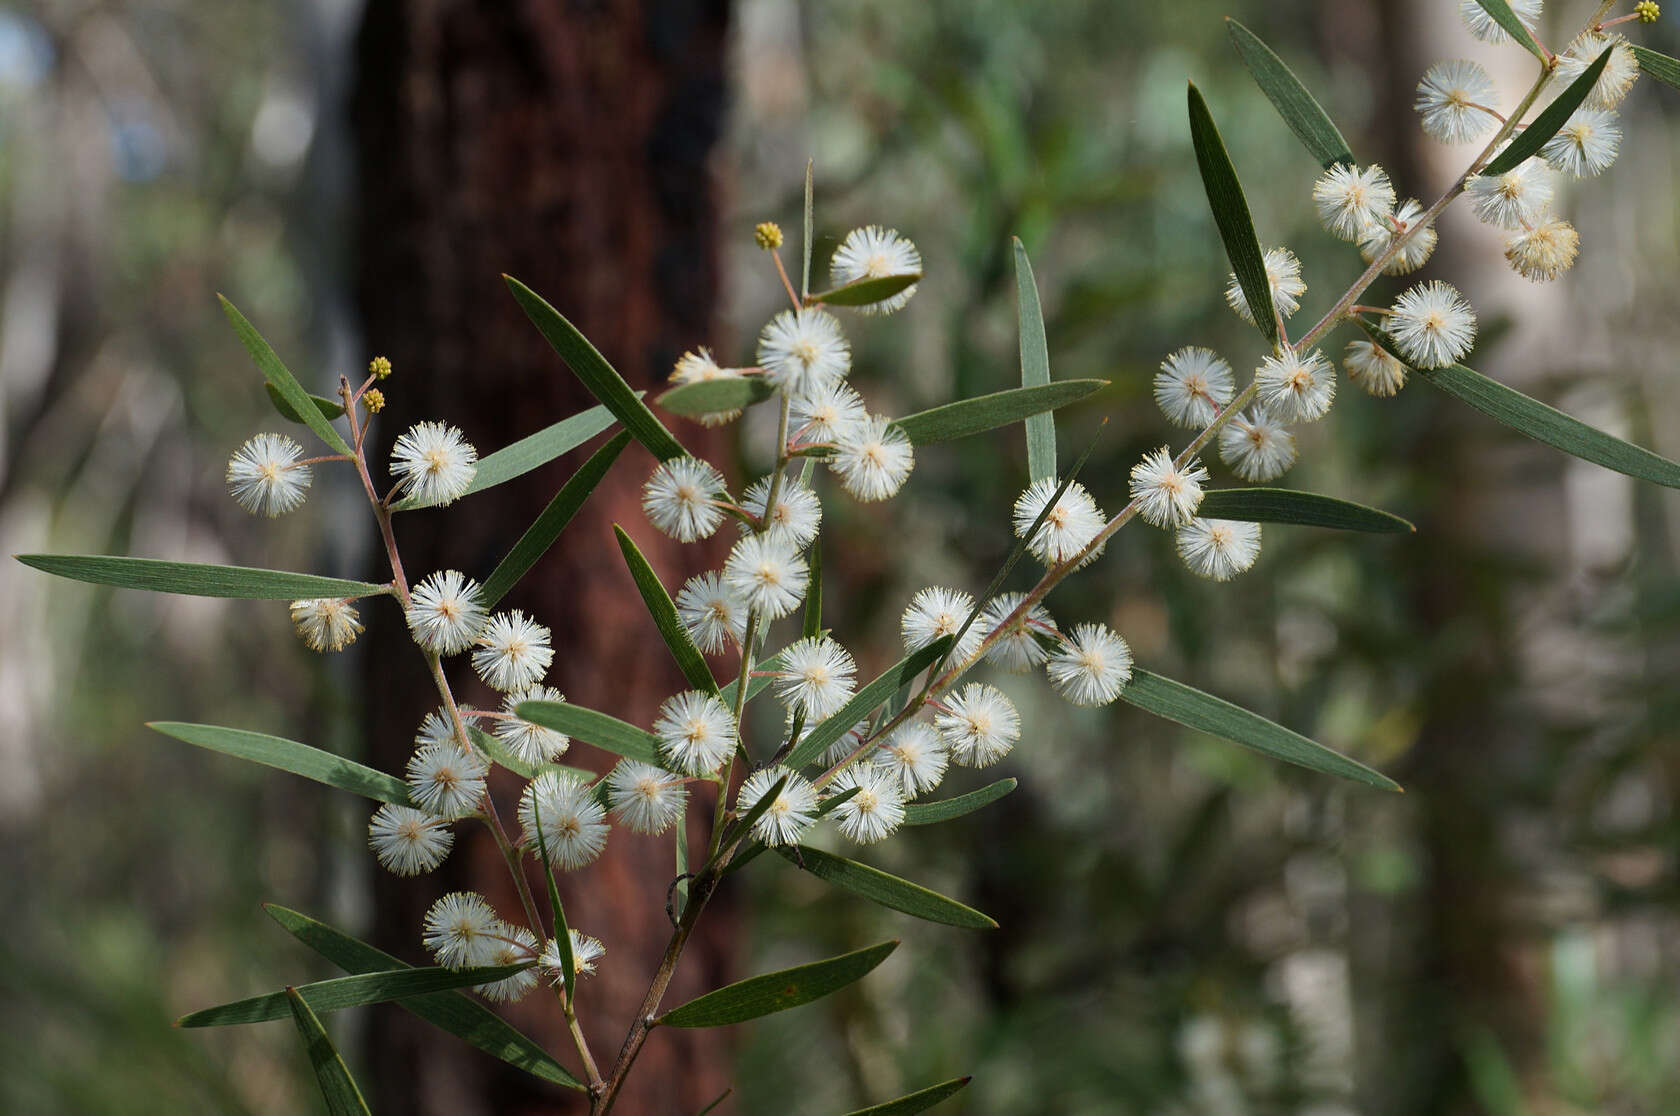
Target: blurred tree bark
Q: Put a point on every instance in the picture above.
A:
(567, 144)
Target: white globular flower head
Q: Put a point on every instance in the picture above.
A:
(936, 612)
(1192, 385)
(513, 652)
(979, 725)
(1283, 276)
(680, 498)
(646, 798)
(446, 612)
(434, 463)
(1069, 525)
(801, 350)
(1483, 26)
(515, 945)
(574, 827)
(789, 815)
(696, 732)
(714, 614)
(876, 253)
(326, 623)
(1586, 145)
(1515, 199)
(1256, 446)
(916, 756)
(1219, 548)
(1417, 245)
(1166, 494)
(1614, 81)
(876, 810)
(532, 743)
(408, 841)
(460, 930)
(797, 515)
(1296, 388)
(1453, 99)
(816, 675)
(1093, 664)
(1374, 368)
(767, 574)
(586, 951)
(825, 412)
(445, 779)
(698, 366)
(1432, 324)
(1350, 200)
(872, 458)
(264, 476)
(1019, 646)
(1544, 252)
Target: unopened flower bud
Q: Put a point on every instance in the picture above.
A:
(767, 235)
(380, 366)
(374, 400)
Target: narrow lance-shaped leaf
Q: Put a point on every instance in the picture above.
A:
(709, 397)
(597, 375)
(1502, 14)
(607, 733)
(1532, 138)
(665, 618)
(1035, 366)
(562, 932)
(887, 890)
(276, 373)
(1659, 66)
(944, 809)
(805, 267)
(330, 409)
(864, 292)
(1188, 706)
(450, 1011)
(919, 1101)
(777, 991)
(813, 592)
(538, 537)
(347, 992)
(988, 412)
(338, 1088)
(1310, 123)
(865, 701)
(679, 890)
(530, 452)
(1231, 215)
(195, 580)
(1548, 425)
(1306, 509)
(289, 755)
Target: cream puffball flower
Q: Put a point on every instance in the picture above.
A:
(446, 612)
(1069, 525)
(875, 810)
(1453, 99)
(817, 676)
(872, 458)
(1350, 200)
(1283, 276)
(1415, 249)
(680, 498)
(1296, 388)
(800, 350)
(1018, 647)
(1374, 368)
(1586, 145)
(1219, 548)
(876, 253)
(698, 366)
(916, 756)
(797, 515)
(1432, 325)
(936, 612)
(264, 475)
(768, 574)
(1166, 494)
(513, 652)
(1257, 447)
(1093, 665)
(1614, 81)
(1193, 385)
(515, 945)
(790, 814)
(1482, 25)
(326, 623)
(408, 841)
(573, 823)
(530, 742)
(1513, 200)
(696, 732)
(461, 930)
(434, 463)
(646, 798)
(1544, 252)
(446, 779)
(586, 951)
(714, 614)
(825, 412)
(979, 725)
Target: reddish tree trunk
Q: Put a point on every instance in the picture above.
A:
(566, 144)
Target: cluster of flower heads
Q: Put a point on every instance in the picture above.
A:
(462, 931)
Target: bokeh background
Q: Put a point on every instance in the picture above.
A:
(1185, 927)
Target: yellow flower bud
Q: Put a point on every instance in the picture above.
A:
(380, 366)
(768, 235)
(374, 400)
